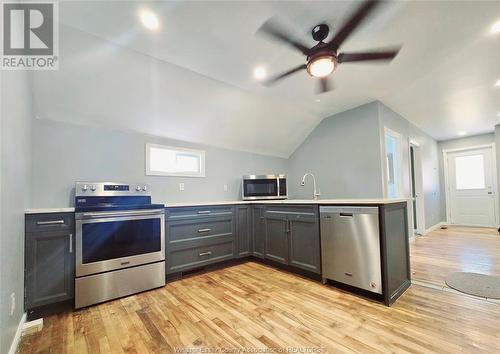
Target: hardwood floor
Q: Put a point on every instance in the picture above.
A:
(256, 306)
(456, 249)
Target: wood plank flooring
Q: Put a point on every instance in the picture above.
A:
(256, 306)
(456, 249)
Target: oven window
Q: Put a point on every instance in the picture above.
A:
(260, 187)
(115, 239)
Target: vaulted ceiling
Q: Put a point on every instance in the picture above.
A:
(196, 83)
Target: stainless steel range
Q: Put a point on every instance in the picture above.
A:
(120, 243)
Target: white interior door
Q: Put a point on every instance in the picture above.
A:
(472, 187)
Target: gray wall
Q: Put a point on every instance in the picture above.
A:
(343, 152)
(458, 144)
(430, 163)
(64, 153)
(16, 121)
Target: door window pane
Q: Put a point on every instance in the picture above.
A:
(469, 172)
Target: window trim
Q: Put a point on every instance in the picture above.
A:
(201, 153)
(399, 179)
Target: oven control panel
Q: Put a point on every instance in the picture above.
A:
(111, 189)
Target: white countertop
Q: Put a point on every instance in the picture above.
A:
(291, 201)
(239, 202)
(49, 210)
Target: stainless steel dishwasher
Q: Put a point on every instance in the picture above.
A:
(350, 246)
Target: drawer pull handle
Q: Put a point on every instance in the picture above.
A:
(125, 263)
(205, 254)
(204, 230)
(50, 222)
(204, 212)
(348, 274)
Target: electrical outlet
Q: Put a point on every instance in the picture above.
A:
(181, 186)
(12, 303)
(225, 188)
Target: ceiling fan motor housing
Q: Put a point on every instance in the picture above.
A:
(320, 32)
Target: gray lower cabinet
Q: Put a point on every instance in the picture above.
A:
(243, 230)
(49, 259)
(276, 235)
(305, 242)
(292, 236)
(200, 236)
(258, 230)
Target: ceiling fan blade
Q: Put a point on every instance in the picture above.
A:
(275, 79)
(272, 29)
(325, 85)
(354, 21)
(381, 55)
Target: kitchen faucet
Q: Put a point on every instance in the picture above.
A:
(316, 193)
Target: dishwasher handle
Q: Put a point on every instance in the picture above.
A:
(346, 215)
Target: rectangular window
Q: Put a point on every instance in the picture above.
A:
(393, 163)
(470, 172)
(173, 161)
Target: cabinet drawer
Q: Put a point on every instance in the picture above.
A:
(199, 256)
(198, 212)
(300, 210)
(188, 229)
(49, 222)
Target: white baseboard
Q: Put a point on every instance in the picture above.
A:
(432, 228)
(17, 337)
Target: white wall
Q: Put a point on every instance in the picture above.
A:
(15, 134)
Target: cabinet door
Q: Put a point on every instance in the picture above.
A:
(49, 268)
(258, 231)
(305, 243)
(243, 230)
(276, 247)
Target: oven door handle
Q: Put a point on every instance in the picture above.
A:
(96, 215)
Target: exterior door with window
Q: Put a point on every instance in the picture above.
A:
(472, 187)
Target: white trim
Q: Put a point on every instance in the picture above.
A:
(17, 337)
(398, 136)
(32, 326)
(201, 153)
(495, 179)
(434, 227)
(419, 183)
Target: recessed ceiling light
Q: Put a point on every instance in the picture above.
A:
(317, 100)
(462, 133)
(497, 84)
(149, 19)
(495, 28)
(259, 73)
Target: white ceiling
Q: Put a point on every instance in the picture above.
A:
(442, 80)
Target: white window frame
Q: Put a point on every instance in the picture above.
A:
(200, 153)
(399, 157)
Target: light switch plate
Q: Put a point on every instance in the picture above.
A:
(181, 186)
(225, 188)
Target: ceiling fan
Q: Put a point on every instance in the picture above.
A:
(323, 58)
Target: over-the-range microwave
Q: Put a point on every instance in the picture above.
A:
(257, 187)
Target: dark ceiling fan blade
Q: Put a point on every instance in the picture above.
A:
(356, 18)
(275, 79)
(272, 29)
(325, 85)
(386, 55)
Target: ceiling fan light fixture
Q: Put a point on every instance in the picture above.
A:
(321, 66)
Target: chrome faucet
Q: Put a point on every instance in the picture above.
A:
(316, 193)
